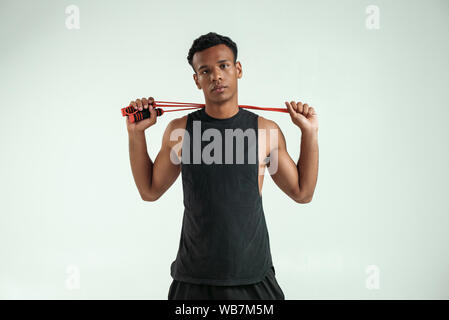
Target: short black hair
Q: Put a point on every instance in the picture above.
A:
(209, 40)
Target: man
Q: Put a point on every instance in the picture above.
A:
(224, 249)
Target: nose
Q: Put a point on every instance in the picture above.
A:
(216, 74)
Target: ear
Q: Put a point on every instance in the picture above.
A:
(195, 78)
(238, 66)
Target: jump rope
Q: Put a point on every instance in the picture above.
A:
(136, 115)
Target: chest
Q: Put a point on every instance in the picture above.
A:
(223, 147)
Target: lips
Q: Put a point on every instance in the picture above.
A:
(219, 88)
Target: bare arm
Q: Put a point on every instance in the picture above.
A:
(153, 179)
(298, 180)
(141, 163)
(307, 166)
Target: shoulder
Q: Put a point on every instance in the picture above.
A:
(181, 122)
(272, 133)
(175, 129)
(177, 123)
(267, 124)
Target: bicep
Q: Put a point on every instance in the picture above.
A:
(166, 166)
(165, 172)
(282, 168)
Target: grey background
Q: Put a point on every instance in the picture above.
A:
(68, 199)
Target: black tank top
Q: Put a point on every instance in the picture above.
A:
(224, 237)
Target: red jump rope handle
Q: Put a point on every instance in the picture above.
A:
(135, 116)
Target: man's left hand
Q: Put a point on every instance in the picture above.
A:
(303, 116)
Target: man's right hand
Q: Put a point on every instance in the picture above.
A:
(142, 125)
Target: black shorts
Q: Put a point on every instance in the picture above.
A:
(267, 289)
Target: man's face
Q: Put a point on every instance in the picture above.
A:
(215, 67)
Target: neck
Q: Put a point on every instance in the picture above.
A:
(222, 109)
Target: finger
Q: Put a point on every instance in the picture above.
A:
(305, 109)
(153, 115)
(312, 111)
(145, 103)
(151, 101)
(133, 103)
(139, 104)
(293, 104)
(290, 109)
(300, 107)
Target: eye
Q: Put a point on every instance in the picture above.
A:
(223, 64)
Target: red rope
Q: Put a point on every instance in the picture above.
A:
(180, 109)
(129, 110)
(202, 105)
